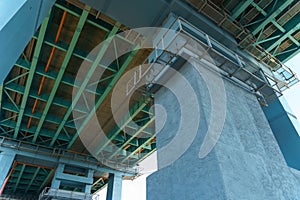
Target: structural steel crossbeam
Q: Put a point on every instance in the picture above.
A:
(44, 97)
(283, 30)
(19, 178)
(55, 155)
(32, 179)
(31, 73)
(133, 111)
(66, 60)
(85, 82)
(295, 52)
(1, 93)
(106, 92)
(90, 21)
(266, 40)
(138, 149)
(36, 115)
(241, 7)
(133, 136)
(280, 6)
(46, 179)
(77, 53)
(288, 34)
(68, 80)
(45, 133)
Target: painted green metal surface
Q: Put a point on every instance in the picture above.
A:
(280, 6)
(46, 179)
(44, 97)
(133, 111)
(31, 73)
(285, 58)
(1, 93)
(286, 35)
(32, 179)
(27, 179)
(46, 133)
(107, 90)
(147, 141)
(241, 7)
(58, 79)
(19, 178)
(85, 82)
(133, 136)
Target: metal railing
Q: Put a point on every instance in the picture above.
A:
(269, 83)
(52, 193)
(61, 153)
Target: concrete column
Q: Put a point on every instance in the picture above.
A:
(6, 161)
(114, 187)
(246, 162)
(19, 19)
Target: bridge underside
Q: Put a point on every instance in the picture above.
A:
(37, 100)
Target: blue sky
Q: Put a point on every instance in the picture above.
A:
(292, 95)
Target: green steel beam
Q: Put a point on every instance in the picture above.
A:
(46, 180)
(1, 93)
(280, 6)
(277, 26)
(266, 40)
(64, 65)
(32, 179)
(68, 80)
(132, 137)
(133, 111)
(259, 8)
(13, 102)
(138, 149)
(23, 127)
(19, 178)
(148, 154)
(44, 97)
(106, 92)
(35, 58)
(285, 36)
(36, 115)
(286, 51)
(89, 21)
(285, 59)
(77, 53)
(16, 78)
(86, 80)
(241, 7)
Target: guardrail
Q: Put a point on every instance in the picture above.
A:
(52, 193)
(61, 153)
(270, 83)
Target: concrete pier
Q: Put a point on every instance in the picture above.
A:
(246, 162)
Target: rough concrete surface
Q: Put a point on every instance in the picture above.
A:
(246, 163)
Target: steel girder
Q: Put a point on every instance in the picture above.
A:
(85, 83)
(58, 79)
(241, 7)
(31, 73)
(106, 92)
(271, 14)
(296, 27)
(127, 118)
